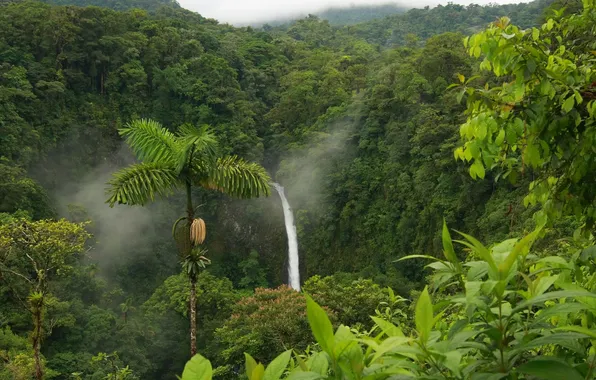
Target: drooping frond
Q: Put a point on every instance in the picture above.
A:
(236, 177)
(150, 142)
(201, 138)
(197, 141)
(141, 183)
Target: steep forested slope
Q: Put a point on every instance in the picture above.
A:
(426, 22)
(359, 13)
(360, 134)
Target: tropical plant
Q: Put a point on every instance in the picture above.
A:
(263, 324)
(180, 161)
(32, 255)
(508, 312)
(540, 115)
(191, 266)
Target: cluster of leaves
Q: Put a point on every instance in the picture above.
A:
(506, 312)
(540, 115)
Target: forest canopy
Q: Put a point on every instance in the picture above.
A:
(388, 136)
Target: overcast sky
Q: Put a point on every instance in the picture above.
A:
(247, 11)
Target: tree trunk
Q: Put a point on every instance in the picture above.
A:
(193, 283)
(37, 310)
(193, 317)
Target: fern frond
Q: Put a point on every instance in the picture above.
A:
(236, 177)
(200, 141)
(150, 142)
(141, 183)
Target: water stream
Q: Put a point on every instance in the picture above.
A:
(293, 260)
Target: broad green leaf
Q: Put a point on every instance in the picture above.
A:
(500, 137)
(542, 284)
(553, 296)
(558, 309)
(521, 247)
(305, 376)
(197, 368)
(568, 104)
(277, 367)
(448, 245)
(387, 327)
(452, 361)
(424, 315)
(258, 372)
(489, 376)
(319, 363)
(561, 339)
(388, 345)
(582, 330)
(320, 325)
(550, 369)
(250, 364)
(480, 250)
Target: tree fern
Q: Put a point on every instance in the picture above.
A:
(150, 142)
(140, 183)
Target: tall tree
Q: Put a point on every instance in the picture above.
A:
(172, 162)
(32, 255)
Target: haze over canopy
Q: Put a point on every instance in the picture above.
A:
(248, 11)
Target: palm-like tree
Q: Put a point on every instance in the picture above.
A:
(175, 161)
(191, 265)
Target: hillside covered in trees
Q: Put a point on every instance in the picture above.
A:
(362, 125)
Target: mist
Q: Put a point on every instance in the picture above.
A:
(118, 232)
(305, 171)
(242, 12)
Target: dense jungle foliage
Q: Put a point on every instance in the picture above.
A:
(378, 150)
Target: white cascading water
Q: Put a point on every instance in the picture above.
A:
(293, 261)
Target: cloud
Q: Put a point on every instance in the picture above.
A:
(247, 11)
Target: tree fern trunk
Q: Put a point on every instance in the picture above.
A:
(193, 282)
(193, 317)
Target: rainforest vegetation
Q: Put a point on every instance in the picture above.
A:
(439, 163)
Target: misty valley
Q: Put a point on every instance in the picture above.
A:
(368, 192)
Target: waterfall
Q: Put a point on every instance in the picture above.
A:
(293, 272)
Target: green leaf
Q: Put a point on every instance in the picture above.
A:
(418, 257)
(535, 34)
(489, 376)
(320, 325)
(448, 250)
(500, 137)
(552, 296)
(250, 364)
(305, 376)
(258, 373)
(277, 367)
(479, 169)
(387, 327)
(560, 339)
(424, 315)
(197, 368)
(568, 105)
(521, 247)
(550, 369)
(318, 363)
(388, 345)
(479, 249)
(452, 361)
(578, 329)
